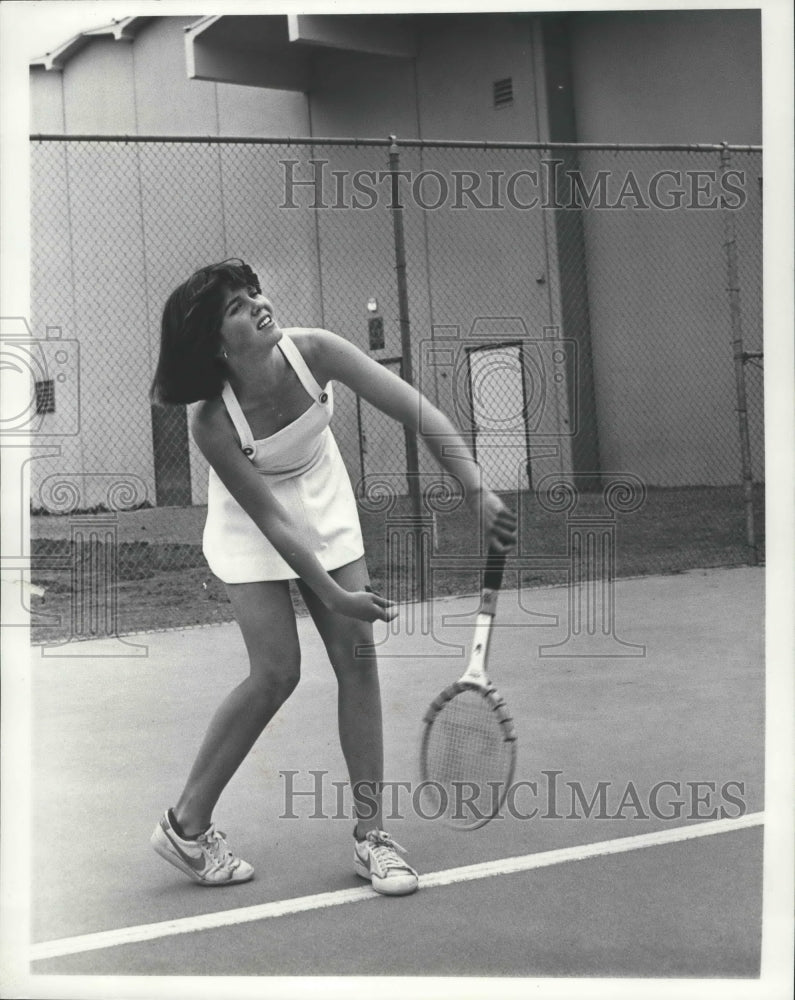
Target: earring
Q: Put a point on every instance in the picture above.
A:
(226, 356)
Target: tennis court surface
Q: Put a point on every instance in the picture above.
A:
(644, 857)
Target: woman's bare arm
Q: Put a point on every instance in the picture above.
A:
(334, 358)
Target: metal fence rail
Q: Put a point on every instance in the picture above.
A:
(587, 314)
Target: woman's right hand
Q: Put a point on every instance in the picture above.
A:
(497, 520)
(365, 605)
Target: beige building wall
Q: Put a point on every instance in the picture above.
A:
(466, 266)
(693, 76)
(356, 94)
(657, 280)
(492, 272)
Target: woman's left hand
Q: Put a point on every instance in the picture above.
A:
(499, 523)
(366, 605)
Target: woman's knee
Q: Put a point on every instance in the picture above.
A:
(274, 678)
(352, 646)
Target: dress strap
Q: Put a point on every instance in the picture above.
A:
(301, 369)
(239, 420)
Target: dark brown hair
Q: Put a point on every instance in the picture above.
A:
(189, 367)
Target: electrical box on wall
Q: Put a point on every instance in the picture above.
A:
(375, 326)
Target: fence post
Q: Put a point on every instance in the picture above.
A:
(412, 457)
(736, 327)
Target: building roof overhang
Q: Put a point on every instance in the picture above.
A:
(123, 30)
(275, 51)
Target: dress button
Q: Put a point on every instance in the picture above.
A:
(248, 451)
(323, 397)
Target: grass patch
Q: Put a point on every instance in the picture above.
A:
(165, 582)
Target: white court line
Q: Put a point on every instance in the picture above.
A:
(302, 904)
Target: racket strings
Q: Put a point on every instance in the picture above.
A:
(470, 753)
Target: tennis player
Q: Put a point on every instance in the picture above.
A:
(280, 507)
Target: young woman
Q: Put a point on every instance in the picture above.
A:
(280, 507)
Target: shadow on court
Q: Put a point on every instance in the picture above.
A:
(663, 731)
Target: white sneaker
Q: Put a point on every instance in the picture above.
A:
(206, 860)
(376, 858)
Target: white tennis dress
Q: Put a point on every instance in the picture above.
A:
(305, 471)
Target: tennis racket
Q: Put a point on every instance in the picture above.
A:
(468, 752)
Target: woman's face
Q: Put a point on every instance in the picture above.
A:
(246, 318)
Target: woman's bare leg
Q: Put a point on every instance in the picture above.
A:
(266, 618)
(359, 696)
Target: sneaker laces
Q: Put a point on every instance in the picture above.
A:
(384, 851)
(214, 842)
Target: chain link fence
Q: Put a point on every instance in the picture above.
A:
(588, 316)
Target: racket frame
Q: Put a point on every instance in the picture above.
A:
(475, 678)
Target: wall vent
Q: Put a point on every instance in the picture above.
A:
(45, 396)
(503, 92)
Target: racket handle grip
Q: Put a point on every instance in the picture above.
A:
(495, 565)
